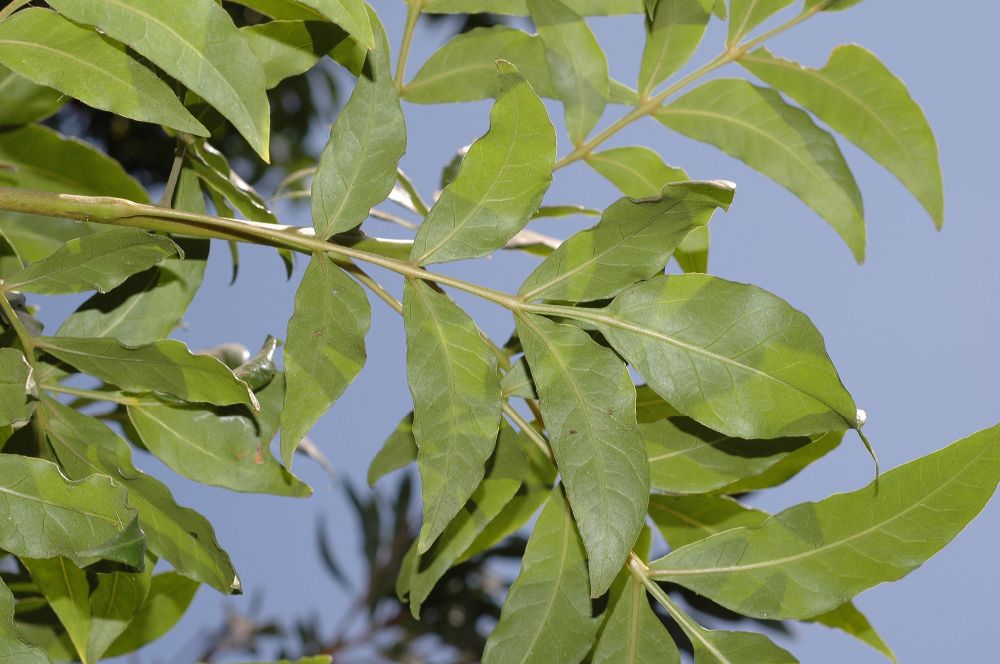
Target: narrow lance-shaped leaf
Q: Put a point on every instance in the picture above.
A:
(398, 451)
(351, 15)
(456, 403)
(357, 169)
(325, 348)
(672, 36)
(85, 446)
(576, 62)
(632, 633)
(500, 183)
(861, 99)
(82, 63)
(813, 557)
(547, 616)
(24, 101)
(686, 519)
(732, 356)
(13, 647)
(633, 241)
(17, 386)
(757, 127)
(168, 598)
(97, 262)
(745, 15)
(84, 521)
(67, 590)
(588, 401)
(212, 447)
(162, 366)
(196, 43)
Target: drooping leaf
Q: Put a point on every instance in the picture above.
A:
(456, 403)
(97, 262)
(162, 366)
(325, 348)
(501, 181)
(745, 15)
(508, 465)
(756, 126)
(351, 15)
(196, 43)
(290, 48)
(733, 357)
(672, 36)
(520, 8)
(13, 647)
(636, 170)
(218, 448)
(85, 446)
(67, 590)
(220, 179)
(588, 401)
(17, 387)
(358, 166)
(861, 99)
(398, 451)
(24, 101)
(82, 63)
(686, 519)
(632, 633)
(633, 241)
(547, 617)
(577, 64)
(813, 557)
(168, 598)
(84, 521)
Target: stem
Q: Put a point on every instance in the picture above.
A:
(653, 104)
(392, 219)
(95, 395)
(413, 11)
(167, 199)
(27, 342)
(528, 430)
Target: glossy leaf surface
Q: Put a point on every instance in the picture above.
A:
(588, 401)
(456, 403)
(500, 183)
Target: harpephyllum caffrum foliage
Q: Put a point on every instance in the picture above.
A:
(547, 431)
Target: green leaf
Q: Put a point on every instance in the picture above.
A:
(636, 170)
(788, 466)
(576, 62)
(745, 15)
(325, 348)
(520, 8)
(517, 382)
(17, 387)
(290, 48)
(85, 446)
(197, 44)
(686, 519)
(25, 102)
(861, 99)
(633, 241)
(219, 448)
(588, 401)
(214, 170)
(756, 126)
(97, 262)
(114, 602)
(813, 557)
(358, 166)
(67, 590)
(632, 633)
(398, 451)
(282, 10)
(685, 457)
(84, 521)
(672, 36)
(731, 356)
(43, 46)
(547, 617)
(836, 5)
(508, 465)
(13, 647)
(315, 659)
(162, 366)
(167, 600)
(456, 403)
(500, 183)
(351, 15)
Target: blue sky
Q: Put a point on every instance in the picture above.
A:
(913, 331)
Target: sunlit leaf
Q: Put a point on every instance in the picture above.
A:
(351, 15)
(588, 401)
(745, 15)
(168, 598)
(636, 170)
(672, 36)
(500, 184)
(67, 590)
(114, 602)
(290, 48)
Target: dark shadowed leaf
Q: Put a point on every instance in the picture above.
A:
(24, 101)
(67, 590)
(17, 387)
(13, 647)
